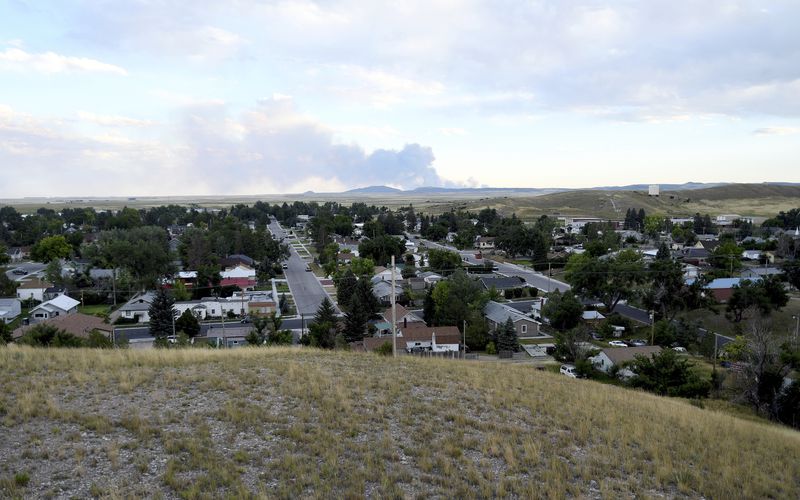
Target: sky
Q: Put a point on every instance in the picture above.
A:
(158, 98)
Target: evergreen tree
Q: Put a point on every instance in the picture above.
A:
(429, 309)
(640, 219)
(326, 313)
(161, 315)
(324, 327)
(507, 337)
(663, 252)
(345, 287)
(188, 324)
(355, 321)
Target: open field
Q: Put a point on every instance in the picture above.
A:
(290, 423)
(760, 200)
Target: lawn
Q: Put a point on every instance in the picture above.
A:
(101, 310)
(293, 422)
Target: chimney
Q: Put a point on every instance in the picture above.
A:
(405, 322)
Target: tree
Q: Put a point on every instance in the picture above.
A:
(507, 337)
(323, 328)
(765, 295)
(345, 286)
(188, 324)
(180, 292)
(667, 374)
(443, 260)
(54, 272)
(792, 270)
(5, 333)
(51, 248)
(568, 344)
(4, 258)
(355, 320)
(563, 311)
(162, 315)
(381, 248)
(477, 334)
(610, 279)
(362, 266)
(46, 335)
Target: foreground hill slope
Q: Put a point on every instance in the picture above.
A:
(295, 422)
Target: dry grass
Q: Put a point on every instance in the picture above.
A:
(305, 423)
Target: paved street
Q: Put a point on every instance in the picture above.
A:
(304, 285)
(143, 332)
(31, 269)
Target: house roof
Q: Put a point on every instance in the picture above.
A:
(421, 333)
(723, 283)
(502, 282)
(499, 313)
(78, 324)
(400, 312)
(34, 284)
(238, 272)
(592, 316)
(5, 303)
(761, 271)
(384, 289)
(523, 306)
(63, 302)
(619, 355)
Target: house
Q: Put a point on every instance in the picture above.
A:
(722, 288)
(485, 242)
(497, 314)
(426, 338)
(695, 256)
(501, 283)
(137, 308)
(33, 289)
(430, 278)
(10, 309)
(370, 344)
(690, 271)
(53, 292)
(383, 291)
(386, 275)
(78, 324)
(619, 356)
(756, 273)
(404, 316)
(235, 260)
(592, 316)
(59, 306)
(242, 276)
(416, 284)
(238, 304)
(15, 254)
(751, 255)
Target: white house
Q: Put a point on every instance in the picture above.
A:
(33, 289)
(751, 255)
(617, 356)
(59, 306)
(418, 337)
(497, 314)
(9, 310)
(485, 242)
(138, 308)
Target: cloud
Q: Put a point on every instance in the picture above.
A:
(776, 131)
(49, 63)
(206, 149)
(113, 120)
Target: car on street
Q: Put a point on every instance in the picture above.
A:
(568, 370)
(308, 268)
(285, 265)
(20, 272)
(596, 336)
(637, 343)
(678, 348)
(617, 343)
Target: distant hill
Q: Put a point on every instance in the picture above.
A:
(301, 422)
(374, 190)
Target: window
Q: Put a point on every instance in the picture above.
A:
(524, 328)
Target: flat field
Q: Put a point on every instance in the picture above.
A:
(290, 422)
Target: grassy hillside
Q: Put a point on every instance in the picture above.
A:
(291, 422)
(759, 200)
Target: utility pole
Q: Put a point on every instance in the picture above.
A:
(796, 319)
(394, 315)
(465, 339)
(114, 284)
(652, 327)
(715, 351)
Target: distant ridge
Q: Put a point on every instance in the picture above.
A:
(374, 190)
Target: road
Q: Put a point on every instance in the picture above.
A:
(306, 289)
(143, 332)
(31, 269)
(531, 277)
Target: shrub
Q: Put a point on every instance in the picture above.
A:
(491, 348)
(385, 349)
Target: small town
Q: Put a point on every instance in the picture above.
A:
(424, 250)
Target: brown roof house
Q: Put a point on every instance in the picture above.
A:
(418, 337)
(78, 324)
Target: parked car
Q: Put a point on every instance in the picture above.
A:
(20, 272)
(679, 349)
(308, 268)
(285, 265)
(596, 336)
(568, 370)
(246, 319)
(637, 342)
(617, 343)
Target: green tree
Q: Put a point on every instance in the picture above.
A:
(188, 324)
(668, 374)
(162, 316)
(324, 327)
(381, 248)
(180, 292)
(5, 334)
(563, 311)
(610, 279)
(46, 335)
(443, 261)
(507, 337)
(362, 266)
(345, 286)
(568, 344)
(355, 320)
(4, 258)
(51, 248)
(98, 340)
